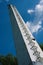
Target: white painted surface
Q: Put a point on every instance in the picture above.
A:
(31, 45)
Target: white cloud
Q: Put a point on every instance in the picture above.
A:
(39, 11)
(30, 11)
(34, 27)
(41, 2)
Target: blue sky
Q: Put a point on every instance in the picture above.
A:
(32, 13)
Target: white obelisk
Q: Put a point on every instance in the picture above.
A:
(28, 50)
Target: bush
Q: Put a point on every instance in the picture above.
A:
(8, 60)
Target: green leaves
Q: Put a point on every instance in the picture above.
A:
(41, 45)
(8, 60)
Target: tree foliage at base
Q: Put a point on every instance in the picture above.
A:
(8, 60)
(41, 45)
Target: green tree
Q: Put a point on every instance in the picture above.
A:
(41, 45)
(8, 60)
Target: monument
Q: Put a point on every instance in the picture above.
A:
(27, 49)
